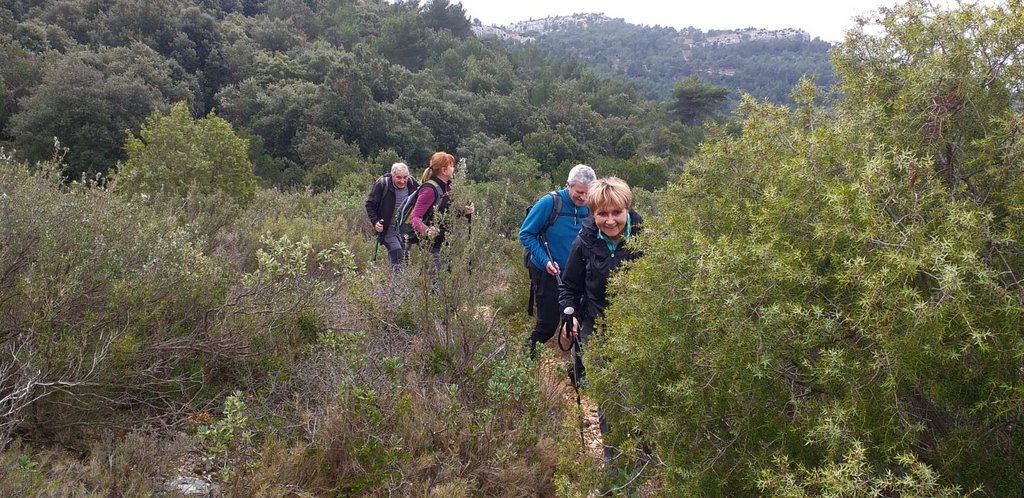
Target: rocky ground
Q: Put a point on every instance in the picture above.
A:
(556, 368)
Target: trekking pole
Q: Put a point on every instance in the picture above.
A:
(573, 349)
(376, 245)
(558, 276)
(566, 325)
(469, 236)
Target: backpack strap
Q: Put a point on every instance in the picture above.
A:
(556, 211)
(437, 195)
(556, 208)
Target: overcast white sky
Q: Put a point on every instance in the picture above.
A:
(826, 19)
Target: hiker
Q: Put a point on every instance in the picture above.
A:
(382, 203)
(599, 250)
(547, 236)
(424, 214)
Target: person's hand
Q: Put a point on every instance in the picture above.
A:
(470, 208)
(379, 226)
(571, 333)
(432, 232)
(552, 268)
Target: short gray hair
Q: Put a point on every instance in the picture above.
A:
(399, 168)
(581, 173)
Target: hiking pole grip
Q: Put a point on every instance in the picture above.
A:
(558, 276)
(565, 326)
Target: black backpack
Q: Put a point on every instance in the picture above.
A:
(556, 208)
(404, 213)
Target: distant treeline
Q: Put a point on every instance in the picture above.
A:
(322, 90)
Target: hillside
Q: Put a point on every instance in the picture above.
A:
(816, 299)
(764, 63)
(327, 94)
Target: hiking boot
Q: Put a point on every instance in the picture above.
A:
(608, 453)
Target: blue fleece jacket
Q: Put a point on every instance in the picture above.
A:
(559, 236)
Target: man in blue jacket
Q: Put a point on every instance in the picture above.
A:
(547, 260)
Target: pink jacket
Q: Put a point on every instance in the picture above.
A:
(424, 201)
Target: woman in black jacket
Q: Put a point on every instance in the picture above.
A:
(599, 250)
(383, 202)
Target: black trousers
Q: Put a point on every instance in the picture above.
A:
(546, 309)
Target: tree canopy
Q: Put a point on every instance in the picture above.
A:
(403, 76)
(177, 155)
(696, 101)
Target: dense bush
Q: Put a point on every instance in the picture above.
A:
(830, 301)
(105, 305)
(113, 307)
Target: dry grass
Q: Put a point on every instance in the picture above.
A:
(354, 384)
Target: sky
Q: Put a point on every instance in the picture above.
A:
(825, 19)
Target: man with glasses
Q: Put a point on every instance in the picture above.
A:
(547, 234)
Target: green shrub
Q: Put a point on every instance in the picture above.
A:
(114, 305)
(855, 476)
(228, 441)
(838, 276)
(176, 154)
(103, 297)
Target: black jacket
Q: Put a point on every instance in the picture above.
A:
(586, 272)
(380, 203)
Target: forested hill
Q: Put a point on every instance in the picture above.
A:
(764, 63)
(322, 90)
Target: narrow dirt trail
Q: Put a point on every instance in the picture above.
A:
(555, 367)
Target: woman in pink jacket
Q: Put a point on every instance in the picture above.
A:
(433, 201)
